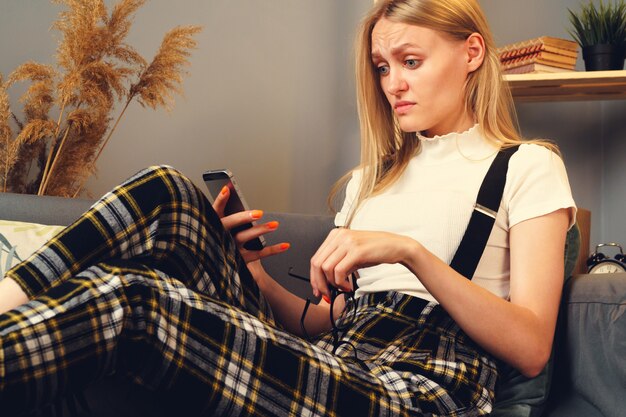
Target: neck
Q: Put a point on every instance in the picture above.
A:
(458, 125)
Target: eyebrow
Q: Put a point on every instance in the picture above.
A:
(394, 51)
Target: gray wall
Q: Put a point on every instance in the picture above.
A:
(271, 96)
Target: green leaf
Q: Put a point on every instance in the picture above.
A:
(5, 246)
(9, 261)
(605, 24)
(5, 241)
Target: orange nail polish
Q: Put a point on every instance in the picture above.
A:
(224, 190)
(285, 246)
(326, 298)
(256, 214)
(272, 225)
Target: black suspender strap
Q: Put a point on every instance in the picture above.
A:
(483, 217)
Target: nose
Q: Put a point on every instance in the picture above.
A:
(396, 83)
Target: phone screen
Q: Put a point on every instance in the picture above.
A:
(216, 180)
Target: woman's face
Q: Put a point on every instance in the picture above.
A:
(422, 72)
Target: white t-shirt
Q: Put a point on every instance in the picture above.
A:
(433, 200)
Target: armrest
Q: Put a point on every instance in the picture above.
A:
(591, 368)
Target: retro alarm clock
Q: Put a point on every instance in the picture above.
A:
(599, 263)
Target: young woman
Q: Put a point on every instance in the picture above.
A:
(150, 284)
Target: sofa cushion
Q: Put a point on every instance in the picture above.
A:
(18, 240)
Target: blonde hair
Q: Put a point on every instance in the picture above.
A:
(385, 149)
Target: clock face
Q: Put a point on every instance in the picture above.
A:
(607, 267)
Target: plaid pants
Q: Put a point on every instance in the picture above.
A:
(148, 285)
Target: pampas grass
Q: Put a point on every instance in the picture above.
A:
(7, 147)
(95, 70)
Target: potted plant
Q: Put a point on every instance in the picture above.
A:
(601, 33)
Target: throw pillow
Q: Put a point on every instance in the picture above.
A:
(19, 240)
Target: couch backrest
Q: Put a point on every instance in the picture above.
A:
(41, 209)
(305, 233)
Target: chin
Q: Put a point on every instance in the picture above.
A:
(408, 127)
(412, 126)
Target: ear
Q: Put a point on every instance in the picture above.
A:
(475, 49)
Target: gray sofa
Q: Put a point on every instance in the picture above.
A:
(589, 377)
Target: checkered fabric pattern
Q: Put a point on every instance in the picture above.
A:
(419, 353)
(148, 284)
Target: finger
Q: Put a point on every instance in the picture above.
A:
(325, 249)
(219, 204)
(315, 273)
(335, 268)
(253, 255)
(319, 284)
(240, 218)
(343, 270)
(255, 231)
(332, 255)
(319, 280)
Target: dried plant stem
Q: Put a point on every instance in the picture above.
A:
(19, 124)
(46, 178)
(46, 170)
(56, 132)
(7, 162)
(104, 143)
(6, 168)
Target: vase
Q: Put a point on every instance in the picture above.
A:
(603, 57)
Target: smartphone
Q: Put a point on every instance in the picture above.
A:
(215, 180)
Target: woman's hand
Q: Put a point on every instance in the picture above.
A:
(344, 251)
(286, 306)
(243, 217)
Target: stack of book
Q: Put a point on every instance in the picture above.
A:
(543, 54)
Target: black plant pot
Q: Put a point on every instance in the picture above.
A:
(603, 57)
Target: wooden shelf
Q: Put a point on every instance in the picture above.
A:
(568, 86)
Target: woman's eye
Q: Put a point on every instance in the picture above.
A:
(383, 70)
(411, 63)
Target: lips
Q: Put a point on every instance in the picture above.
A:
(402, 107)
